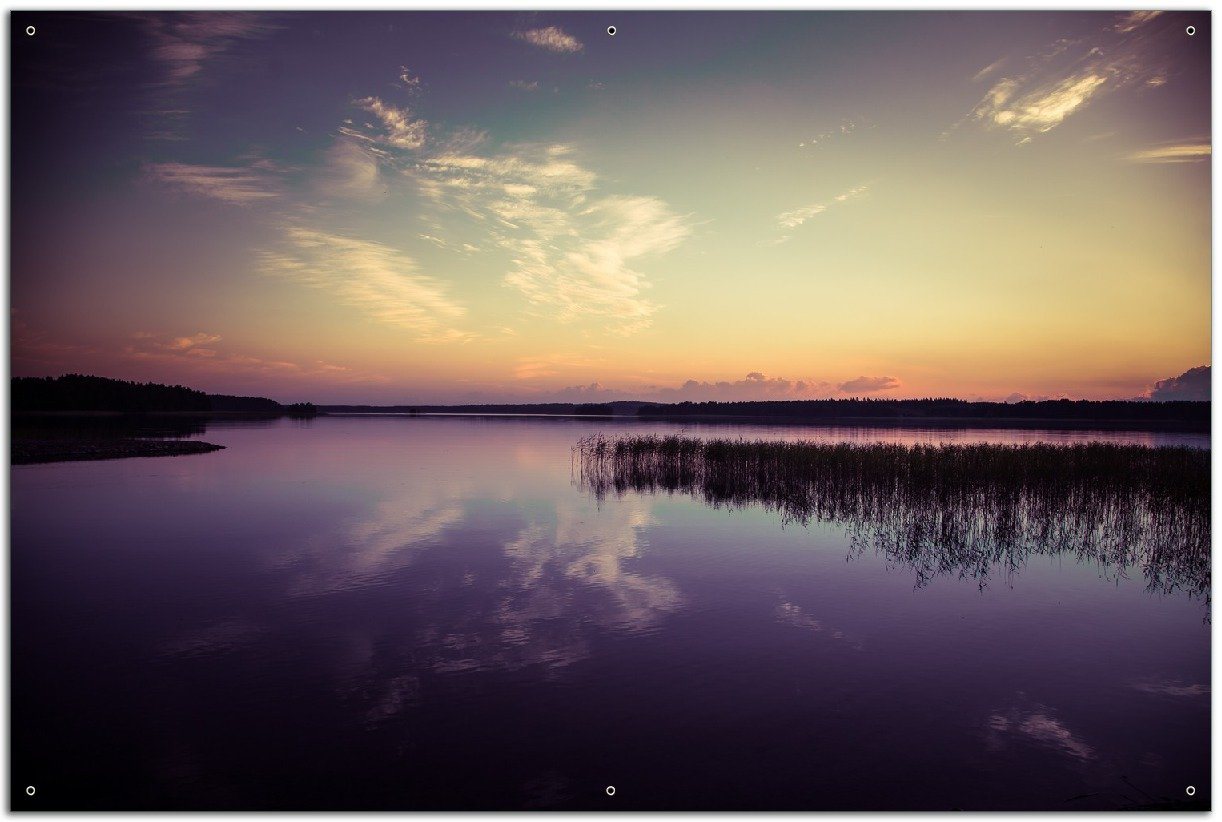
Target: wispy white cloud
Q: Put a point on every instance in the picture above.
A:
(408, 81)
(523, 85)
(465, 249)
(1039, 110)
(1134, 20)
(203, 354)
(1066, 77)
(571, 249)
(551, 39)
(1190, 152)
(987, 70)
(460, 141)
(850, 194)
(796, 217)
(846, 127)
(184, 42)
(238, 185)
(399, 128)
(375, 278)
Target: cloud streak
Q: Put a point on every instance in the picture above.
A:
(237, 185)
(1134, 20)
(1068, 76)
(788, 220)
(551, 39)
(868, 385)
(1189, 152)
(183, 43)
(987, 70)
(380, 281)
(798, 216)
(200, 353)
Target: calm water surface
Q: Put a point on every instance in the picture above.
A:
(393, 612)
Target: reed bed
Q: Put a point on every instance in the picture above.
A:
(947, 509)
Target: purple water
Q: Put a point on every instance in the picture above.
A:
(411, 613)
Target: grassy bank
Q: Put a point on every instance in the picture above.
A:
(946, 509)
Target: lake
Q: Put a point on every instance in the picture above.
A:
(386, 612)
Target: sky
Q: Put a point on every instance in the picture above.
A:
(448, 207)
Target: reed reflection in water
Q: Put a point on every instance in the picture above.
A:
(963, 510)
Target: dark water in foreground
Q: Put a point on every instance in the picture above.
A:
(433, 613)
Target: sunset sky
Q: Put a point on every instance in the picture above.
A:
(450, 207)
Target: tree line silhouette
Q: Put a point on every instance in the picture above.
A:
(1187, 415)
(88, 394)
(77, 392)
(1191, 412)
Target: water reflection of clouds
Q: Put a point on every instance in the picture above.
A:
(536, 582)
(217, 638)
(789, 613)
(1174, 688)
(593, 547)
(391, 697)
(566, 578)
(400, 523)
(1036, 726)
(380, 541)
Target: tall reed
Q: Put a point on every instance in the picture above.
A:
(947, 509)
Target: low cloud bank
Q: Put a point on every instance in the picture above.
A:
(754, 386)
(1193, 384)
